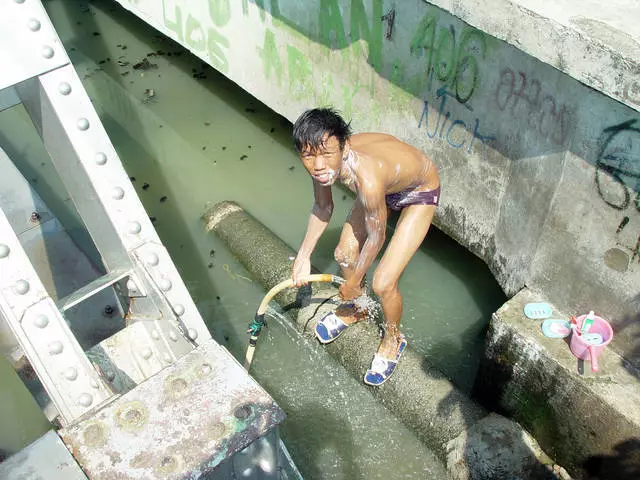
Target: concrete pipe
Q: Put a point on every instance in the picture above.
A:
(446, 420)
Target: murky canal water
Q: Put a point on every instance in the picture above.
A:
(188, 137)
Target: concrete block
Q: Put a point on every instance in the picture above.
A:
(576, 417)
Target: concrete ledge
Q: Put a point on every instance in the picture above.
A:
(577, 419)
(594, 42)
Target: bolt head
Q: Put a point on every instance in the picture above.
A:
(117, 193)
(165, 284)
(55, 348)
(64, 88)
(101, 158)
(47, 51)
(34, 25)
(85, 399)
(152, 260)
(4, 250)
(83, 124)
(71, 373)
(41, 321)
(134, 228)
(21, 287)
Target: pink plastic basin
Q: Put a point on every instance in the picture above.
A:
(583, 350)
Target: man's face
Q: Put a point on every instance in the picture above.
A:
(324, 163)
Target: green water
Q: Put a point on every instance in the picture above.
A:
(202, 140)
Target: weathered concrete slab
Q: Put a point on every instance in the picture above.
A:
(535, 380)
(417, 394)
(595, 42)
(180, 423)
(45, 459)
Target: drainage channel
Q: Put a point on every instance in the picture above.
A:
(189, 138)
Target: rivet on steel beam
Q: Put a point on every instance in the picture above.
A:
(134, 228)
(41, 321)
(165, 284)
(155, 334)
(131, 285)
(242, 412)
(101, 158)
(83, 124)
(146, 353)
(4, 250)
(179, 309)
(19, 1)
(34, 25)
(117, 193)
(85, 399)
(167, 358)
(55, 348)
(110, 375)
(64, 88)
(152, 260)
(21, 287)
(193, 333)
(71, 373)
(47, 51)
(94, 384)
(173, 336)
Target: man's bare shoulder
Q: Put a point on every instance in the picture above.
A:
(366, 139)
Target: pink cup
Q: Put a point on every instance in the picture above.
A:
(583, 350)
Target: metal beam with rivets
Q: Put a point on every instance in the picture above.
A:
(60, 363)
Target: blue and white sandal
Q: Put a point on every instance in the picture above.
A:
(382, 368)
(330, 327)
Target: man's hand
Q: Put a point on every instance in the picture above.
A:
(349, 291)
(301, 271)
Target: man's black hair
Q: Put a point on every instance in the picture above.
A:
(311, 127)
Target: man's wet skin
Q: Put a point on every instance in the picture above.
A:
(373, 165)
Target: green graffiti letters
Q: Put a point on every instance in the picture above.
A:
(331, 26)
(215, 42)
(455, 66)
(360, 28)
(220, 12)
(195, 35)
(270, 57)
(300, 80)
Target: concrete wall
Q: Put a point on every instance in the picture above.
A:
(540, 173)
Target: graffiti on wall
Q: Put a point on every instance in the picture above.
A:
(525, 99)
(455, 131)
(199, 36)
(290, 64)
(454, 60)
(617, 176)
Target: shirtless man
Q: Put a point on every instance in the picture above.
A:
(384, 173)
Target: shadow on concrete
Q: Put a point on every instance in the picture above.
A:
(485, 393)
(630, 324)
(622, 464)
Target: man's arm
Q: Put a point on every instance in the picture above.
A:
(375, 218)
(318, 221)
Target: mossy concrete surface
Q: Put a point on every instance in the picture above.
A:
(578, 417)
(455, 427)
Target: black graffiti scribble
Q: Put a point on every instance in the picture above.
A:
(619, 159)
(390, 17)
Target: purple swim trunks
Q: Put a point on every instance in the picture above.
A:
(400, 200)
